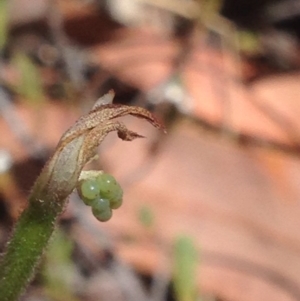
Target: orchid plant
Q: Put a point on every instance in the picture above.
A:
(49, 195)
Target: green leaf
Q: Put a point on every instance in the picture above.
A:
(146, 216)
(3, 22)
(30, 85)
(185, 269)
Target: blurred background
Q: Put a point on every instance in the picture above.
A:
(211, 210)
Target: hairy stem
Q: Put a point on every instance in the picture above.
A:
(31, 235)
(36, 224)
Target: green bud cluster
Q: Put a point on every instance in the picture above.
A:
(103, 193)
